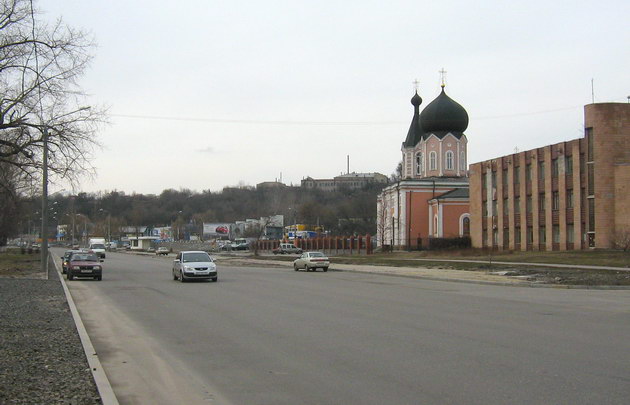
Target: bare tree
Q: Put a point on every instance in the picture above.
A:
(622, 239)
(39, 95)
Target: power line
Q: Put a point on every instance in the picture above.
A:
(322, 123)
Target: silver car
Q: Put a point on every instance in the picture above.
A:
(311, 261)
(194, 265)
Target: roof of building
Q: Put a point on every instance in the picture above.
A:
(444, 115)
(415, 130)
(458, 193)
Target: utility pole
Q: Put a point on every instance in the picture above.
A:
(44, 257)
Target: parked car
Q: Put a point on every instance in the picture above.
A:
(84, 265)
(162, 250)
(194, 265)
(65, 259)
(311, 261)
(287, 248)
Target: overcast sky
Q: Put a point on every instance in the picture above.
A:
(205, 94)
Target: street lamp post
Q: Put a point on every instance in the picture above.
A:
(44, 256)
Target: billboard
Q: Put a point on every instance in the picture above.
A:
(216, 230)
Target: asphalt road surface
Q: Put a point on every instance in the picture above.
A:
(275, 336)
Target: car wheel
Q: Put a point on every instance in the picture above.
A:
(306, 267)
(174, 275)
(181, 276)
(215, 279)
(325, 268)
(98, 278)
(295, 267)
(70, 277)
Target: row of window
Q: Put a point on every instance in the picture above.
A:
(529, 235)
(449, 161)
(555, 204)
(555, 171)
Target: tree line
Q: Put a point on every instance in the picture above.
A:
(341, 212)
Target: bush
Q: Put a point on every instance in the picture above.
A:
(449, 243)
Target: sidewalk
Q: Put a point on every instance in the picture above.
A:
(497, 277)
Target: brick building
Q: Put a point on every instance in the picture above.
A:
(570, 195)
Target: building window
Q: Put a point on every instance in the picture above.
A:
(506, 238)
(433, 161)
(449, 160)
(494, 179)
(504, 179)
(588, 134)
(506, 207)
(542, 234)
(495, 237)
(484, 210)
(484, 180)
(570, 233)
(494, 208)
(568, 165)
(556, 201)
(517, 175)
(528, 172)
(541, 170)
(462, 161)
(528, 204)
(530, 235)
(556, 233)
(517, 205)
(555, 169)
(570, 198)
(419, 163)
(541, 201)
(466, 226)
(517, 235)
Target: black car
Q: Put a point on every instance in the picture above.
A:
(65, 259)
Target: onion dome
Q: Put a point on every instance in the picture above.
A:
(444, 115)
(415, 130)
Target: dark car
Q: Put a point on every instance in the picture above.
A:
(84, 265)
(65, 259)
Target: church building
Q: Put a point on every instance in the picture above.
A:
(432, 198)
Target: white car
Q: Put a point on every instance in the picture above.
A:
(194, 265)
(311, 261)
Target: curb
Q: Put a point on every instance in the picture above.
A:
(108, 397)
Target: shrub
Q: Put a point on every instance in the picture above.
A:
(449, 243)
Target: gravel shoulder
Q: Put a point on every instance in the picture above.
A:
(41, 357)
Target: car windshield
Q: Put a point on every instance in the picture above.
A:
(317, 254)
(83, 258)
(98, 246)
(195, 257)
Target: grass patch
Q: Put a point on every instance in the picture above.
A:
(13, 264)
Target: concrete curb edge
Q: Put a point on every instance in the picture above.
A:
(100, 378)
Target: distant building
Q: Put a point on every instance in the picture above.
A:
(270, 184)
(348, 181)
(431, 201)
(570, 195)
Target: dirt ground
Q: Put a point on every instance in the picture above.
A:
(16, 265)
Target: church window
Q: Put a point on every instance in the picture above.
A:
(419, 163)
(449, 160)
(433, 161)
(466, 226)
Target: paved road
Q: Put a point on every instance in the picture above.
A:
(274, 336)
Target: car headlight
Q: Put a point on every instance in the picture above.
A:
(187, 268)
(76, 267)
(97, 267)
